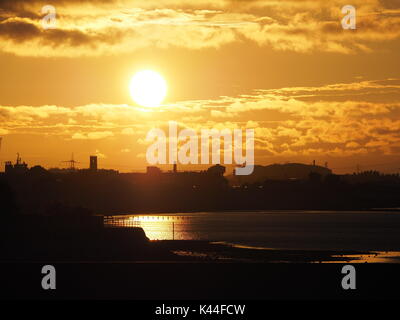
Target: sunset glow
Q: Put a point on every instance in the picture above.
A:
(194, 149)
(148, 88)
(310, 89)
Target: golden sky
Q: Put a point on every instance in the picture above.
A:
(309, 88)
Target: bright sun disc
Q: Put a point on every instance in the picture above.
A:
(148, 88)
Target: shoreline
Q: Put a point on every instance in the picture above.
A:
(223, 252)
(263, 211)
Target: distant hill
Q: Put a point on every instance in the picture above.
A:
(279, 172)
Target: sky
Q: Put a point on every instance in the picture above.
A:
(310, 89)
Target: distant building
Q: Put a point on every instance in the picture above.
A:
(18, 168)
(93, 163)
(287, 171)
(153, 170)
(217, 170)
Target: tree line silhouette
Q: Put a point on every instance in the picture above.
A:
(84, 192)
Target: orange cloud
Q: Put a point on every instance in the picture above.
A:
(303, 127)
(108, 28)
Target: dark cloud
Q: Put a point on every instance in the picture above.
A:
(18, 30)
(390, 4)
(57, 37)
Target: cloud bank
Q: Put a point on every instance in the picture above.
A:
(100, 27)
(336, 120)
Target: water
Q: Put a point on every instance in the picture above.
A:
(303, 230)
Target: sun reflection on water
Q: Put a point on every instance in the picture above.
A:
(156, 227)
(371, 257)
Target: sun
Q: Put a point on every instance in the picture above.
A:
(148, 88)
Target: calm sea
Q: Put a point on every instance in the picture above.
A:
(325, 230)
